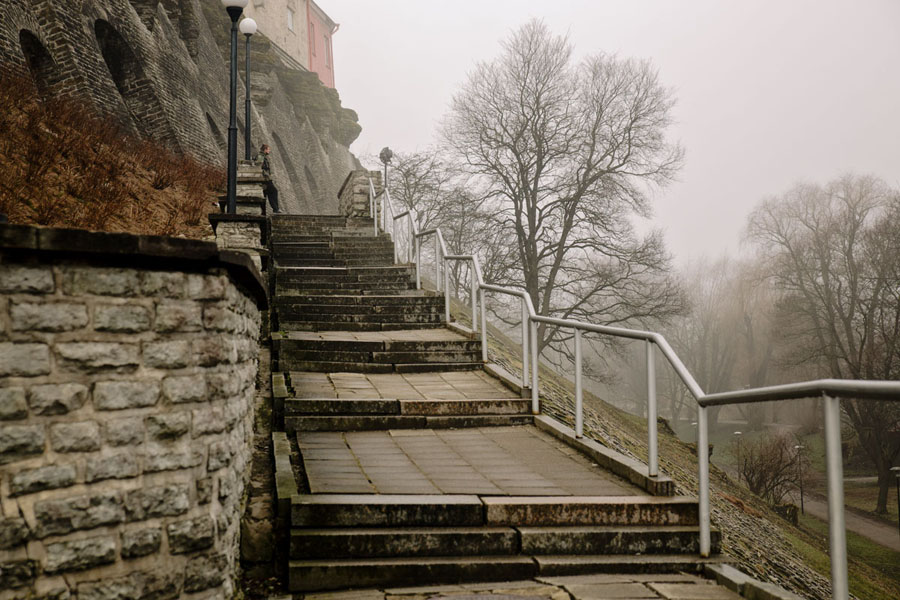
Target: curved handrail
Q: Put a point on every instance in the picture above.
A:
(830, 390)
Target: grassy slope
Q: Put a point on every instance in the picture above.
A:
(759, 541)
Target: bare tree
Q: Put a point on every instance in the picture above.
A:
(834, 252)
(566, 155)
(768, 464)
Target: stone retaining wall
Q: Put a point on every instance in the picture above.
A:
(127, 376)
(353, 197)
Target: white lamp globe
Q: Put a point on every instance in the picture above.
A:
(248, 26)
(234, 3)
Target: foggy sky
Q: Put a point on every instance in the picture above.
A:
(770, 92)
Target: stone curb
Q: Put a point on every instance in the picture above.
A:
(285, 484)
(746, 586)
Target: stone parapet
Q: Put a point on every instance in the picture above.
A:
(127, 377)
(353, 197)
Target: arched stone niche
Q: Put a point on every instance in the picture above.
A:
(44, 70)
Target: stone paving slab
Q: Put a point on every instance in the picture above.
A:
(587, 587)
(459, 385)
(492, 461)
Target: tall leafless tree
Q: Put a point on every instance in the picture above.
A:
(566, 155)
(834, 252)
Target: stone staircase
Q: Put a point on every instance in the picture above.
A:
(417, 466)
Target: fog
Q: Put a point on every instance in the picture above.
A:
(769, 92)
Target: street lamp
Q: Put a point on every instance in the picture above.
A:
(896, 471)
(248, 28)
(234, 9)
(799, 449)
(386, 155)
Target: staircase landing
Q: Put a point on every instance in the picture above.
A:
(436, 385)
(496, 461)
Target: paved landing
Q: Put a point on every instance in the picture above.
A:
(503, 461)
(581, 587)
(460, 385)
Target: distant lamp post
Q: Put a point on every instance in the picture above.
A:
(234, 9)
(799, 450)
(248, 28)
(386, 155)
(896, 471)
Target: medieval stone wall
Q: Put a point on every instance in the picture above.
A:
(127, 377)
(160, 68)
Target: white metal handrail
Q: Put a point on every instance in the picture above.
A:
(830, 390)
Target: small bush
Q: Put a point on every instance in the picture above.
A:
(62, 165)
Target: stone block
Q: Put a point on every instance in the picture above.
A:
(161, 283)
(191, 535)
(204, 572)
(26, 280)
(24, 360)
(124, 432)
(56, 399)
(65, 515)
(140, 542)
(122, 465)
(100, 281)
(161, 501)
(12, 404)
(218, 318)
(77, 555)
(167, 355)
(204, 490)
(185, 388)
(219, 456)
(121, 318)
(139, 585)
(42, 478)
(20, 439)
(168, 426)
(120, 395)
(98, 356)
(159, 459)
(178, 316)
(223, 386)
(13, 532)
(75, 437)
(47, 316)
(16, 574)
(205, 287)
(208, 421)
(212, 351)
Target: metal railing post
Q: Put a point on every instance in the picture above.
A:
(437, 263)
(535, 392)
(418, 260)
(652, 442)
(409, 247)
(524, 344)
(446, 294)
(579, 400)
(474, 298)
(837, 533)
(703, 479)
(374, 212)
(396, 242)
(484, 339)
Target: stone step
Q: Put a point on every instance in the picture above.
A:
(318, 575)
(397, 542)
(417, 298)
(283, 346)
(357, 287)
(331, 326)
(291, 308)
(480, 541)
(622, 564)
(390, 358)
(380, 406)
(384, 422)
(341, 278)
(408, 317)
(591, 510)
(386, 510)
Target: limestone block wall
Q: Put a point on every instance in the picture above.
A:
(127, 376)
(353, 197)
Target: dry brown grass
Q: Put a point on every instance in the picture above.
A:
(63, 166)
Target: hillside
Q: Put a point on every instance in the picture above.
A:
(63, 166)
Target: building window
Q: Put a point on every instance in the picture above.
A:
(290, 19)
(327, 52)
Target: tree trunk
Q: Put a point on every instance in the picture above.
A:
(885, 477)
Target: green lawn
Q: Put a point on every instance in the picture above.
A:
(872, 568)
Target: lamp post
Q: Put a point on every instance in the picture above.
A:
(234, 9)
(896, 471)
(799, 449)
(248, 28)
(386, 155)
